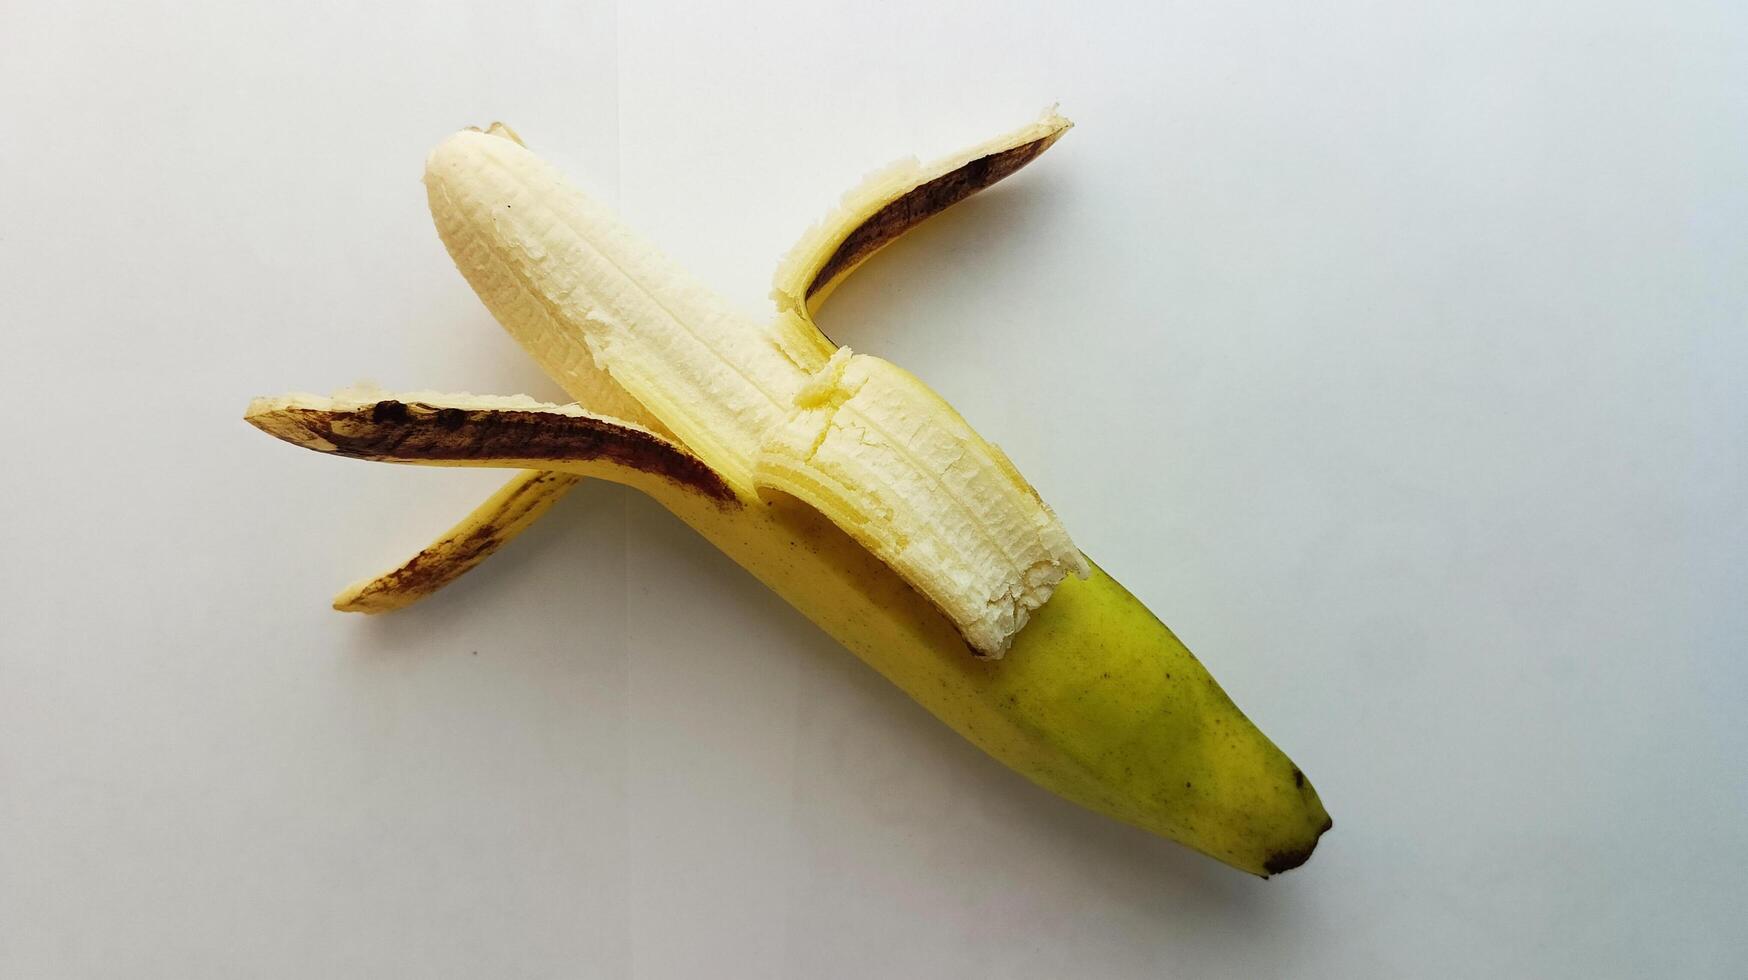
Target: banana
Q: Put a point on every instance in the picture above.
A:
(1096, 699)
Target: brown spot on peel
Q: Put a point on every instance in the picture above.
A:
(388, 412)
(924, 201)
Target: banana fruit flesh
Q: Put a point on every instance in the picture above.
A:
(529, 316)
(1095, 699)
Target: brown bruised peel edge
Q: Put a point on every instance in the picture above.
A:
(922, 202)
(489, 527)
(393, 430)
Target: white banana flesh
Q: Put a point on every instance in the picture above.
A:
(526, 315)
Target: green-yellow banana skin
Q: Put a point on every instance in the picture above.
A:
(1153, 733)
(1097, 700)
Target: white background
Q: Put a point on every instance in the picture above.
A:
(1394, 353)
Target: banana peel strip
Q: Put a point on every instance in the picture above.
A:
(895, 199)
(505, 514)
(515, 431)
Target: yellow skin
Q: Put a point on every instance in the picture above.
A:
(1097, 700)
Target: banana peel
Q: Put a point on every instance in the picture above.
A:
(895, 199)
(505, 514)
(1094, 699)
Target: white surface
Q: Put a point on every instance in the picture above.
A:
(1392, 352)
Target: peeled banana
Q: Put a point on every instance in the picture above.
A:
(837, 479)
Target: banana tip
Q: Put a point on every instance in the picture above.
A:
(1291, 858)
